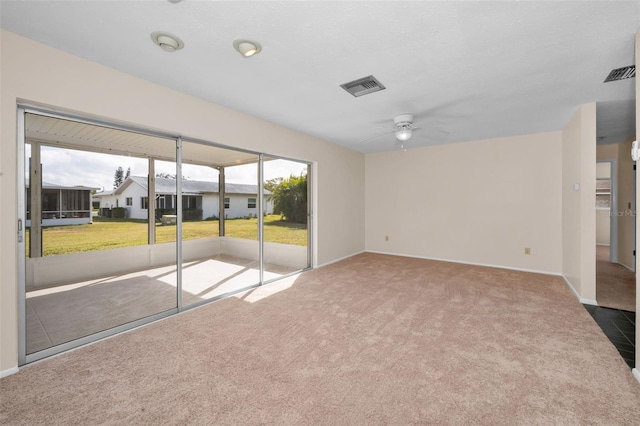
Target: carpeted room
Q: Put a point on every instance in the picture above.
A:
(376, 332)
(374, 339)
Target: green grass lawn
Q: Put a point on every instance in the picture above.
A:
(105, 234)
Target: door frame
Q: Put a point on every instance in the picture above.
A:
(22, 110)
(613, 217)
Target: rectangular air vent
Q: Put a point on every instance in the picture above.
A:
(621, 73)
(363, 86)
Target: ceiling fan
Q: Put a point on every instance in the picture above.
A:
(403, 129)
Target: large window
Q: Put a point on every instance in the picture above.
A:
(164, 202)
(214, 267)
(286, 223)
(81, 264)
(159, 228)
(189, 202)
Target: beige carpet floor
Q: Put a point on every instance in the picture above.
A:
(373, 339)
(615, 284)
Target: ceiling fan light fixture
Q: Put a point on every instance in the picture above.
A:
(167, 42)
(247, 48)
(403, 134)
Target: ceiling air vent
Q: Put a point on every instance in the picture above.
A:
(621, 73)
(363, 86)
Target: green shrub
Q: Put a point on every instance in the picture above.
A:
(290, 198)
(118, 212)
(191, 214)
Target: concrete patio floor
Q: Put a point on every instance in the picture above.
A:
(64, 313)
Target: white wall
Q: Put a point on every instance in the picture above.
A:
(210, 206)
(53, 270)
(238, 206)
(109, 201)
(478, 202)
(578, 213)
(274, 253)
(40, 74)
(135, 210)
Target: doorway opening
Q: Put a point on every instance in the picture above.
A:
(615, 230)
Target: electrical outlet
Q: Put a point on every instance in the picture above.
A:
(386, 238)
(527, 250)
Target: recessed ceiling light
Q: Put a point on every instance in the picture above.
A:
(247, 48)
(168, 42)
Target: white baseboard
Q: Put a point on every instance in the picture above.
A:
(628, 267)
(575, 293)
(511, 268)
(340, 259)
(8, 372)
(636, 374)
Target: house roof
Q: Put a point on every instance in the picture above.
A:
(466, 70)
(49, 185)
(189, 187)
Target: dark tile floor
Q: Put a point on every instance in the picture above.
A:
(620, 327)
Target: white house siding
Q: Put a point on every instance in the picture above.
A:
(238, 206)
(210, 206)
(134, 211)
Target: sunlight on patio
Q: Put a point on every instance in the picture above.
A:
(63, 313)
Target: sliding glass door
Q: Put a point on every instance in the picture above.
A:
(91, 262)
(120, 227)
(286, 217)
(219, 224)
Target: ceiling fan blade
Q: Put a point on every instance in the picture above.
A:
(436, 135)
(388, 132)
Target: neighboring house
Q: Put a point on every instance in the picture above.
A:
(132, 195)
(63, 205)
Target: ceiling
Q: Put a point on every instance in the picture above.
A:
(466, 70)
(72, 134)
